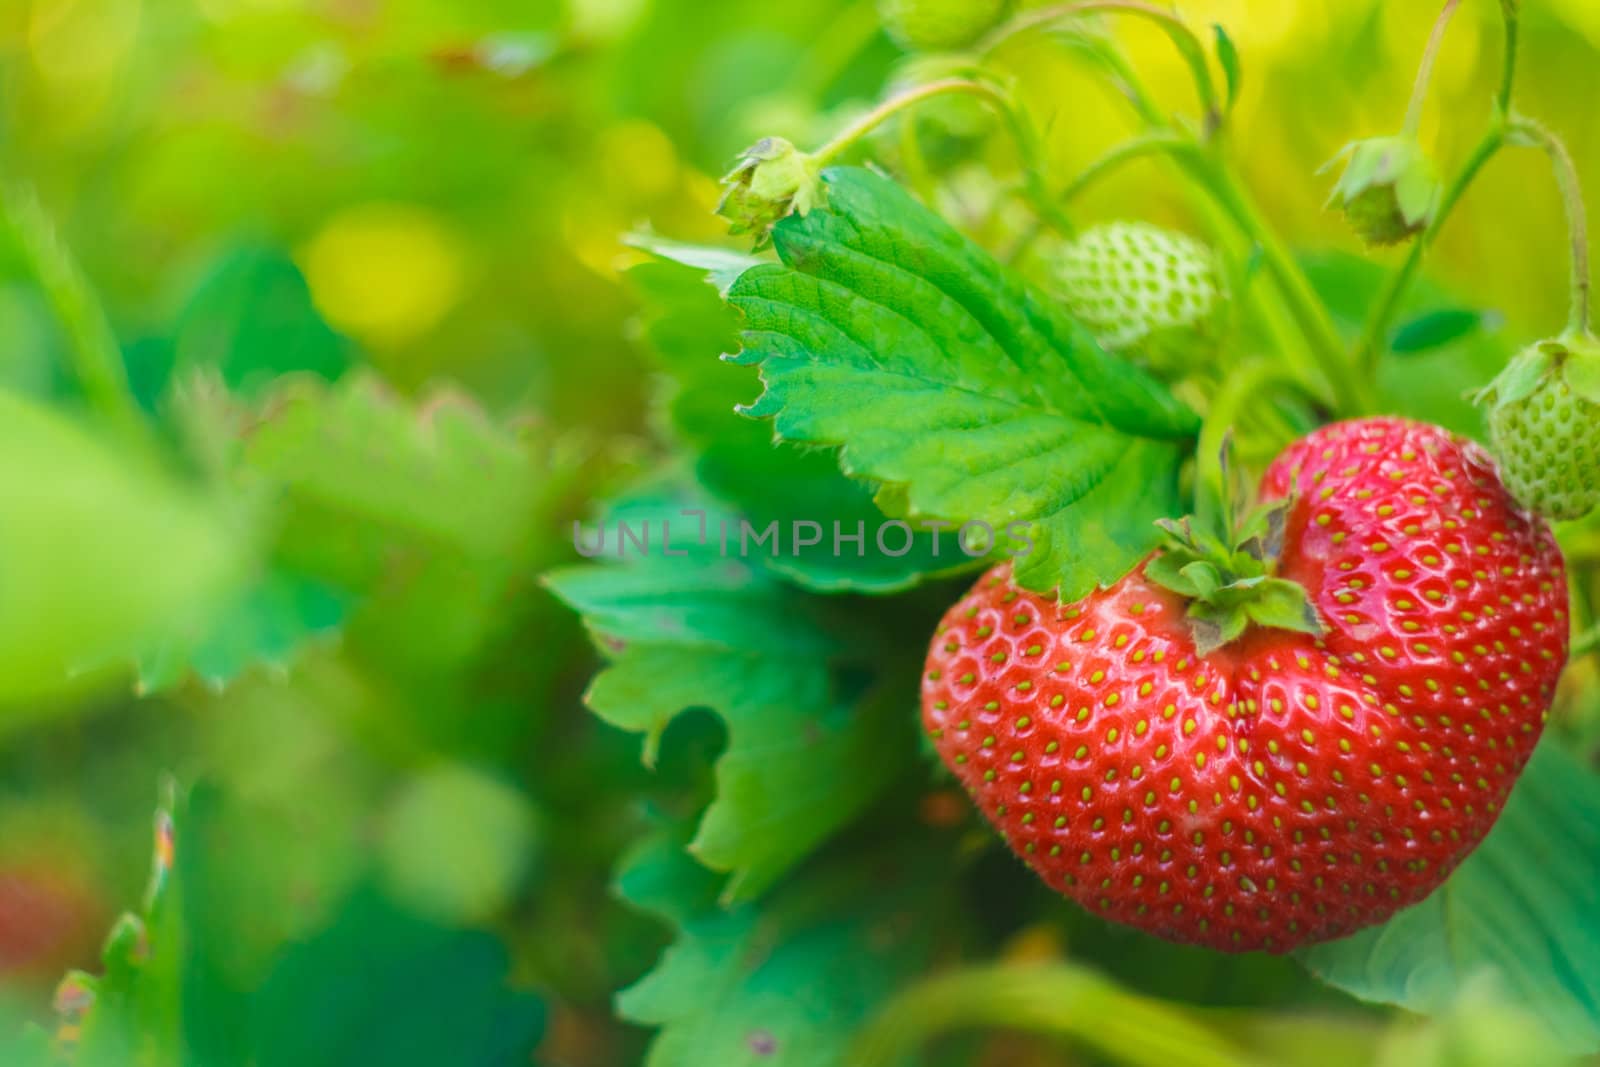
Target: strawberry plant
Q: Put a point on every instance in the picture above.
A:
(965, 589)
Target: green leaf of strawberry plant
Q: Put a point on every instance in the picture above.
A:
(380, 508)
(817, 725)
(886, 332)
(251, 319)
(1435, 329)
(441, 469)
(738, 461)
(1228, 56)
(99, 547)
(1518, 913)
(372, 983)
(266, 622)
(786, 981)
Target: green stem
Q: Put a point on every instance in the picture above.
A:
(915, 163)
(1322, 362)
(1371, 343)
(1508, 68)
(1153, 143)
(1027, 141)
(1387, 305)
(1242, 387)
(91, 345)
(1419, 90)
(1055, 1000)
(1526, 131)
(1127, 80)
(1350, 391)
(1178, 31)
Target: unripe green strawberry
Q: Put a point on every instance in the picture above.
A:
(1156, 295)
(939, 25)
(1544, 421)
(1389, 190)
(1285, 787)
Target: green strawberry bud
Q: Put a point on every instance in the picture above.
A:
(772, 180)
(1389, 190)
(1155, 295)
(939, 25)
(1544, 422)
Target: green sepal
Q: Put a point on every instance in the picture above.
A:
(1574, 356)
(1166, 570)
(1581, 368)
(1213, 627)
(1416, 191)
(1280, 604)
(1390, 189)
(1205, 577)
(1231, 587)
(1521, 376)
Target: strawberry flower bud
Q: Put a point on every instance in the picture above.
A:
(773, 179)
(1389, 190)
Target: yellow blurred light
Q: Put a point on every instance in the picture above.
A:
(1405, 36)
(637, 157)
(78, 47)
(1261, 25)
(386, 273)
(1581, 15)
(226, 10)
(603, 20)
(590, 227)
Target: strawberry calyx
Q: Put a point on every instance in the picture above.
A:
(1573, 359)
(1229, 577)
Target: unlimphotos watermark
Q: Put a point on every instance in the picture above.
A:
(740, 538)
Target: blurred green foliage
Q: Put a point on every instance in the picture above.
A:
(365, 264)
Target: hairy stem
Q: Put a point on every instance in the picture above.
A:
(1056, 1000)
(1178, 31)
(1321, 360)
(1371, 344)
(1526, 131)
(91, 345)
(1153, 143)
(1350, 391)
(1022, 133)
(1508, 68)
(1419, 90)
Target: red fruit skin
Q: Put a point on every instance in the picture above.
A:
(1285, 789)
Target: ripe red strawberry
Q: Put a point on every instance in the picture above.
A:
(1285, 788)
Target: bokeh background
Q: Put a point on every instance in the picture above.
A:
(437, 191)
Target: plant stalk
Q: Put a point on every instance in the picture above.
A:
(91, 346)
(1178, 31)
(1027, 142)
(1350, 390)
(1526, 131)
(1371, 343)
(1419, 90)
